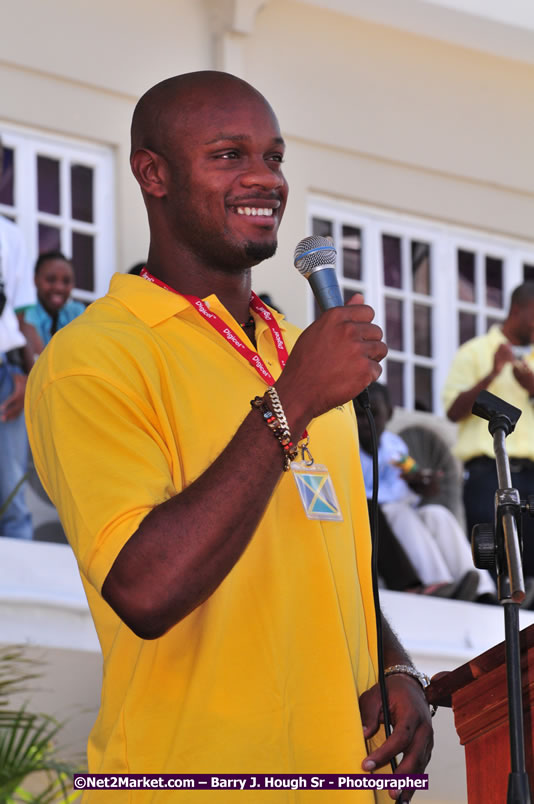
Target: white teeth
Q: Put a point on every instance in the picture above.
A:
(266, 211)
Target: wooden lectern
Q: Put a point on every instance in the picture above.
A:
(477, 692)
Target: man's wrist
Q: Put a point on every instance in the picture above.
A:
(412, 672)
(408, 670)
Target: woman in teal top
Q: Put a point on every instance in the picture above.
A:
(54, 279)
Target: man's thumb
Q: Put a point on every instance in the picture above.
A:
(356, 299)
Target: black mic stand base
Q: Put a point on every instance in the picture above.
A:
(518, 789)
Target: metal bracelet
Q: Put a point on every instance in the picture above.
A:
(279, 428)
(277, 407)
(408, 670)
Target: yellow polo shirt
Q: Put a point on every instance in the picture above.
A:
(128, 405)
(473, 362)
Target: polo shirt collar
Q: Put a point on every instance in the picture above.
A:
(153, 304)
(496, 332)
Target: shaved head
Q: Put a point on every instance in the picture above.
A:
(172, 103)
(207, 153)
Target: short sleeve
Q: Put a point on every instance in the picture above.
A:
(103, 461)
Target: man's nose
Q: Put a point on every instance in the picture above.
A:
(263, 174)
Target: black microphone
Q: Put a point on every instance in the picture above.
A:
(315, 259)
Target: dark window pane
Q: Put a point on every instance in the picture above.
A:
(391, 255)
(421, 267)
(467, 327)
(422, 330)
(7, 179)
(395, 382)
(528, 272)
(48, 185)
(423, 388)
(494, 294)
(49, 238)
(466, 275)
(322, 227)
(352, 252)
(83, 260)
(394, 333)
(81, 184)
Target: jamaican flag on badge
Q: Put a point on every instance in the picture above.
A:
(316, 491)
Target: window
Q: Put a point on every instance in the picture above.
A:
(480, 275)
(61, 195)
(432, 289)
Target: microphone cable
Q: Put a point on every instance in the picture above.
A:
(363, 401)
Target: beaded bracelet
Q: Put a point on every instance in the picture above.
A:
(277, 422)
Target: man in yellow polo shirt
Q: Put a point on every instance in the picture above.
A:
(501, 361)
(229, 582)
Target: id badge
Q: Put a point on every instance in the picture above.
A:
(316, 491)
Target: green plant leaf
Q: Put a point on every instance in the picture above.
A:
(27, 741)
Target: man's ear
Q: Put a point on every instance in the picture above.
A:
(150, 170)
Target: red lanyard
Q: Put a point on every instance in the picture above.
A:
(233, 339)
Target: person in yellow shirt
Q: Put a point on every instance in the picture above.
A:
(502, 362)
(229, 582)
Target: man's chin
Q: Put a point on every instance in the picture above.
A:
(260, 251)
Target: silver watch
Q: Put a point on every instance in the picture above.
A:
(408, 670)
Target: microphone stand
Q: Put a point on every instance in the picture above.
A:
(506, 557)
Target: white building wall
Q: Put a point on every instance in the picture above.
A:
(78, 69)
(391, 119)
(372, 113)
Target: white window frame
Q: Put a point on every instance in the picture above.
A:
(28, 144)
(444, 241)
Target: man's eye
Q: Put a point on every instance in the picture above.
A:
(276, 158)
(229, 155)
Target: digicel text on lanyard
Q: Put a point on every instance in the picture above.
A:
(233, 339)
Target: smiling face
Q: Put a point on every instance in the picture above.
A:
(218, 151)
(226, 191)
(54, 281)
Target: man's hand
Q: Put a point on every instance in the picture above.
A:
(503, 355)
(425, 482)
(463, 404)
(334, 359)
(14, 404)
(524, 376)
(412, 734)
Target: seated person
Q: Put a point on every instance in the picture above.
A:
(430, 534)
(396, 571)
(54, 280)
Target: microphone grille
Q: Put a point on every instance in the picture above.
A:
(312, 252)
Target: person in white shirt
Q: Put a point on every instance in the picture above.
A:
(17, 291)
(429, 533)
